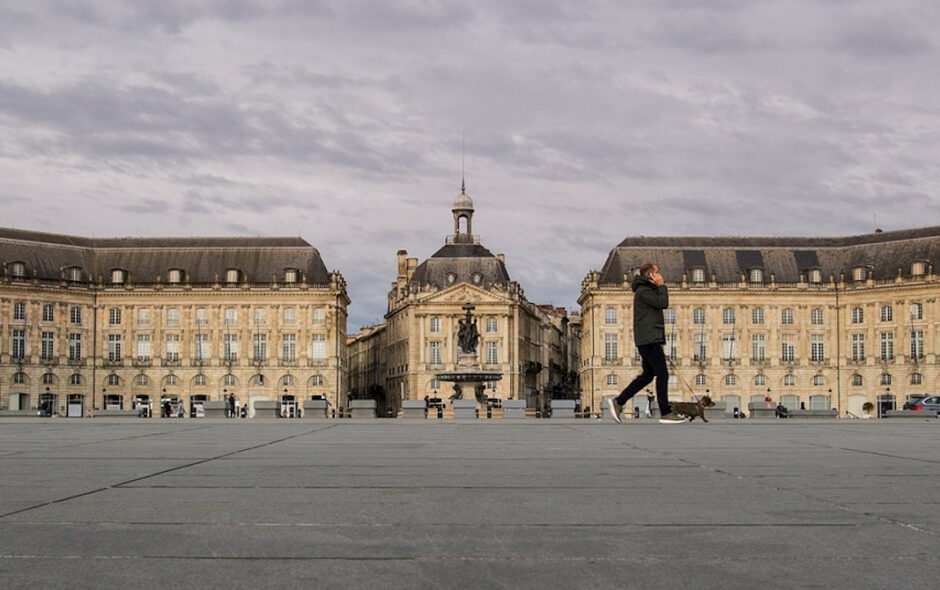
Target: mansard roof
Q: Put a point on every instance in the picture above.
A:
(463, 262)
(786, 257)
(202, 259)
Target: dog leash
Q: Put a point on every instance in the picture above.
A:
(675, 371)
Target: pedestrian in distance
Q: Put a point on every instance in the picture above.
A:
(650, 299)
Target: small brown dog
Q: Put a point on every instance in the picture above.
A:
(693, 409)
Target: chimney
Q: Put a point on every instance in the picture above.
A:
(402, 264)
(412, 265)
(501, 257)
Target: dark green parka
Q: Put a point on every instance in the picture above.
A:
(649, 301)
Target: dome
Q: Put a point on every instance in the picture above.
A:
(463, 200)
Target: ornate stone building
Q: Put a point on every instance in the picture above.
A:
(95, 324)
(531, 346)
(815, 322)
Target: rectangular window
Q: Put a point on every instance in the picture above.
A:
(698, 315)
(887, 313)
(201, 346)
(290, 316)
(699, 347)
(75, 315)
(610, 347)
(48, 345)
(202, 316)
(917, 345)
(231, 347)
(259, 349)
(318, 347)
(787, 348)
(172, 347)
(172, 316)
(435, 325)
(610, 316)
(491, 325)
(319, 316)
(492, 353)
(917, 311)
(816, 316)
(19, 310)
(727, 347)
(48, 312)
(75, 346)
(887, 346)
(143, 316)
(727, 316)
(757, 347)
(669, 316)
(434, 353)
(231, 316)
(858, 347)
(671, 347)
(757, 315)
(19, 343)
(114, 316)
(786, 316)
(289, 347)
(858, 315)
(143, 347)
(114, 347)
(817, 348)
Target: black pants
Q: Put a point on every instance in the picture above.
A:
(654, 366)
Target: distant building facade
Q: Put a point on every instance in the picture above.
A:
(533, 347)
(819, 323)
(89, 325)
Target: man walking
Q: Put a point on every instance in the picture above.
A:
(650, 298)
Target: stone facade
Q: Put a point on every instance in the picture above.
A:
(120, 324)
(531, 346)
(816, 322)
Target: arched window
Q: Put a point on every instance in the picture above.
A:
(886, 378)
(287, 380)
(73, 274)
(290, 275)
(611, 379)
(174, 276)
(819, 381)
(814, 276)
(113, 379)
(857, 380)
(917, 379)
(698, 276)
(918, 269)
(118, 276)
(141, 380)
(859, 273)
(316, 381)
(731, 380)
(756, 276)
(789, 380)
(231, 276)
(701, 380)
(17, 270)
(760, 380)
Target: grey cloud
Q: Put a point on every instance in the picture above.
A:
(886, 36)
(143, 206)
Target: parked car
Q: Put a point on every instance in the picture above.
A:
(930, 403)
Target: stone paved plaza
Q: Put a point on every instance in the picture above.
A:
(478, 504)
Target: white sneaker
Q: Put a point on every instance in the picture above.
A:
(614, 409)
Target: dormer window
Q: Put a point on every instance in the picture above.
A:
(118, 276)
(859, 273)
(175, 276)
(231, 276)
(73, 274)
(918, 269)
(290, 275)
(17, 270)
(698, 276)
(756, 276)
(814, 275)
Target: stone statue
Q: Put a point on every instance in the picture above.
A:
(458, 392)
(467, 334)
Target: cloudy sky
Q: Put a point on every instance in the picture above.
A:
(583, 121)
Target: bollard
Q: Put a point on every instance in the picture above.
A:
(737, 413)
